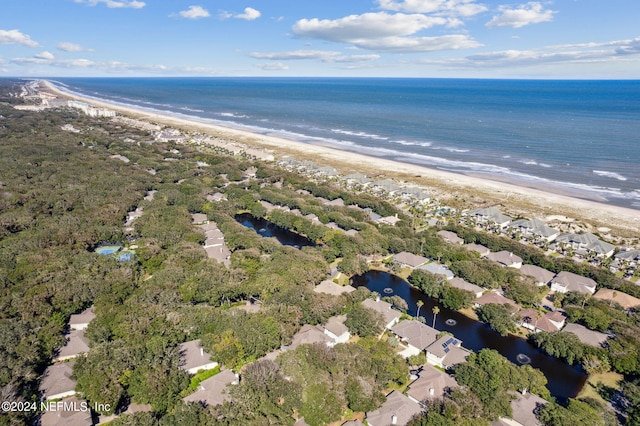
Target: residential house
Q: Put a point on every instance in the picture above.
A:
(568, 281)
(480, 249)
(523, 410)
(537, 321)
(409, 260)
(632, 257)
(56, 381)
(493, 297)
(390, 315)
(585, 243)
(338, 202)
(488, 216)
(76, 344)
(81, 321)
(212, 391)
(436, 269)
(193, 358)
(353, 423)
(415, 193)
(199, 219)
(396, 410)
(626, 301)
(430, 384)
(386, 185)
(336, 330)
(534, 229)
(540, 275)
(68, 412)
(450, 237)
(329, 287)
(357, 178)
(389, 220)
(446, 352)
(310, 334)
(461, 284)
(506, 258)
(416, 335)
(586, 336)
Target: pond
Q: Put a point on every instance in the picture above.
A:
(564, 381)
(265, 228)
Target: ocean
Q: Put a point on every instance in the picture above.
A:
(575, 137)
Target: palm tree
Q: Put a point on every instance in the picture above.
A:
(435, 311)
(419, 304)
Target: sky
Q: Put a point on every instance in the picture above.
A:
(555, 39)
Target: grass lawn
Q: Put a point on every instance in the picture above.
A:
(610, 380)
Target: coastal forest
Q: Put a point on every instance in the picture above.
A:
(65, 193)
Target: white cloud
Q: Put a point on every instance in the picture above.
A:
(16, 37)
(383, 31)
(194, 12)
(525, 14)
(320, 55)
(249, 14)
(273, 66)
(45, 55)
(115, 4)
(441, 7)
(70, 47)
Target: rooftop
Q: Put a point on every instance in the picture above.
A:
(410, 259)
(212, 391)
(415, 333)
(623, 299)
(586, 336)
(397, 407)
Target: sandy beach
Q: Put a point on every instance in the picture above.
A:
(457, 190)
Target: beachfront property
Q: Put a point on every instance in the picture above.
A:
(170, 135)
(568, 281)
(90, 110)
(487, 217)
(415, 335)
(193, 358)
(398, 410)
(584, 244)
(533, 230)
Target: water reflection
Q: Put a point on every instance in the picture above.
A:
(564, 381)
(265, 228)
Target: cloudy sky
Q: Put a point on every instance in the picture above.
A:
(394, 38)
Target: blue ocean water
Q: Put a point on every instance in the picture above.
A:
(577, 137)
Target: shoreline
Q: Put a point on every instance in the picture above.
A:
(455, 189)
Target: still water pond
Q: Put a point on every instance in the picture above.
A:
(564, 381)
(265, 228)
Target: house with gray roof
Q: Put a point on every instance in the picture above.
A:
(76, 344)
(523, 410)
(396, 410)
(390, 315)
(56, 381)
(409, 260)
(81, 321)
(193, 358)
(586, 336)
(540, 275)
(358, 178)
(480, 249)
(446, 352)
(461, 284)
(68, 412)
(386, 185)
(537, 321)
(506, 258)
(389, 220)
(568, 281)
(416, 335)
(353, 423)
(450, 237)
(493, 297)
(489, 215)
(213, 391)
(535, 229)
(310, 334)
(585, 243)
(630, 256)
(430, 384)
(336, 330)
(436, 269)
